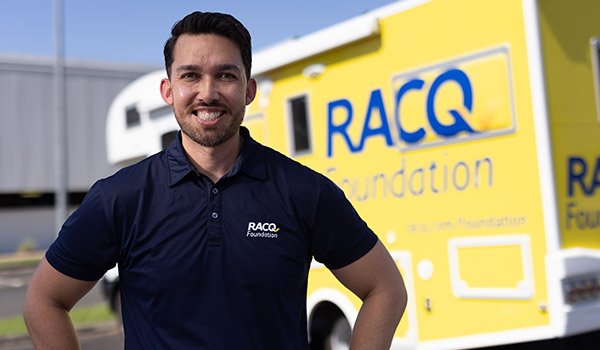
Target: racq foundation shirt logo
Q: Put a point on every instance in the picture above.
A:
(262, 230)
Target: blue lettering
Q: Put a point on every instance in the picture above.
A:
(376, 102)
(478, 164)
(577, 170)
(578, 173)
(420, 175)
(459, 122)
(341, 128)
(455, 176)
(376, 105)
(583, 219)
(413, 179)
(596, 182)
(408, 137)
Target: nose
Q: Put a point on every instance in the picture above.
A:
(208, 91)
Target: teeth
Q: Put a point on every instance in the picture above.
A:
(207, 116)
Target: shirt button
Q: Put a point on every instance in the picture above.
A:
(215, 190)
(214, 215)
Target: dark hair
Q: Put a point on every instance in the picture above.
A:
(211, 23)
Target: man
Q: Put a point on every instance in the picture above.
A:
(213, 236)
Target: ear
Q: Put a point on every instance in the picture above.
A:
(165, 91)
(250, 91)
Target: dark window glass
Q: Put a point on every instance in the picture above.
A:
(168, 138)
(132, 116)
(595, 46)
(45, 199)
(300, 124)
(166, 111)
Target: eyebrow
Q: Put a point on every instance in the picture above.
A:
(219, 67)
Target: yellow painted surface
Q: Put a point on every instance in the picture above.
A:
(416, 195)
(492, 266)
(575, 127)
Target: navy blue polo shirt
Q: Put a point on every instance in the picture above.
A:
(212, 265)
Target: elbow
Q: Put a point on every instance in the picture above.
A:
(393, 298)
(397, 296)
(29, 306)
(29, 310)
(402, 300)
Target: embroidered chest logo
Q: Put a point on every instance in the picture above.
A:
(262, 230)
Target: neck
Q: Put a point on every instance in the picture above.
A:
(213, 162)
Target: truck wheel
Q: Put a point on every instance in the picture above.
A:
(339, 336)
(116, 303)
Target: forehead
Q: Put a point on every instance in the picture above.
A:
(203, 47)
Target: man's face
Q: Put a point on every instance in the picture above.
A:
(208, 88)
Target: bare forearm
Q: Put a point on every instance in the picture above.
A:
(376, 323)
(376, 280)
(49, 298)
(50, 327)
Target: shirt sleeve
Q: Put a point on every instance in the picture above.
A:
(86, 246)
(340, 235)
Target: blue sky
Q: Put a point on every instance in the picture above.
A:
(134, 31)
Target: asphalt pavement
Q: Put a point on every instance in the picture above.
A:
(13, 285)
(106, 336)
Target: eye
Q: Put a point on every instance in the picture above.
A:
(188, 75)
(227, 75)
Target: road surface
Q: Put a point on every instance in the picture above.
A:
(13, 284)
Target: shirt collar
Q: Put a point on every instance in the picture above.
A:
(250, 161)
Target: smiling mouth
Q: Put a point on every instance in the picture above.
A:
(207, 116)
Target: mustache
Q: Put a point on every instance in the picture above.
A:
(214, 103)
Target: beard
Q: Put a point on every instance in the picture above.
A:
(209, 136)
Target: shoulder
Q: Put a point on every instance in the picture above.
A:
(263, 161)
(135, 177)
(294, 170)
(297, 178)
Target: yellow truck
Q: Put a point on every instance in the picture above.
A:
(467, 135)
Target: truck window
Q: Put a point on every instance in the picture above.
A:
(132, 116)
(165, 111)
(595, 51)
(167, 138)
(300, 135)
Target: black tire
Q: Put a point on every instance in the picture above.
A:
(116, 306)
(339, 335)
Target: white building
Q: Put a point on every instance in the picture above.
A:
(27, 182)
